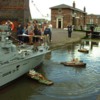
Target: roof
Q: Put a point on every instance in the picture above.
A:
(63, 6)
(93, 15)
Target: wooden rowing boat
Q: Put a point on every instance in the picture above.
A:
(72, 64)
(39, 77)
(83, 50)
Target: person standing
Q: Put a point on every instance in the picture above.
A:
(50, 26)
(37, 32)
(20, 32)
(30, 29)
(47, 32)
(69, 30)
(10, 24)
(92, 28)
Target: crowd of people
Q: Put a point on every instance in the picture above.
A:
(32, 29)
(31, 32)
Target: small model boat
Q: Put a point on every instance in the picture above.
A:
(83, 50)
(74, 63)
(39, 77)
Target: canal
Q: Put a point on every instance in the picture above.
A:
(70, 83)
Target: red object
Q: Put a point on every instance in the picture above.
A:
(12, 26)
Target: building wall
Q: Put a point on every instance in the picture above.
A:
(64, 15)
(14, 10)
(53, 17)
(93, 19)
(68, 16)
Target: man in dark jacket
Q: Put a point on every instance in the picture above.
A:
(69, 30)
(47, 32)
(92, 28)
(20, 32)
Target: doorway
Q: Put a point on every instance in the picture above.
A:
(59, 23)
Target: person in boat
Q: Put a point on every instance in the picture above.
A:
(75, 60)
(83, 50)
(82, 45)
(36, 74)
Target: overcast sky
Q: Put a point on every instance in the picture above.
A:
(40, 8)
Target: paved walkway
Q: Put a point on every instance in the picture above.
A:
(60, 37)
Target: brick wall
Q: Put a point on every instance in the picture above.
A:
(67, 17)
(15, 10)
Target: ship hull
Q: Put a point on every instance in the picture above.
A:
(12, 71)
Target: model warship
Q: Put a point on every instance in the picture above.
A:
(17, 60)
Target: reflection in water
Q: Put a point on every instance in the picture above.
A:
(78, 82)
(70, 83)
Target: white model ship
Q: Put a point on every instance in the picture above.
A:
(16, 61)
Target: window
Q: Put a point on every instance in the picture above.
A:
(59, 11)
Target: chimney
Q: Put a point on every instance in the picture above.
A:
(84, 9)
(73, 4)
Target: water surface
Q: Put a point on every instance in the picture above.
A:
(70, 83)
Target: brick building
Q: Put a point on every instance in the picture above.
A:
(93, 19)
(62, 15)
(14, 10)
